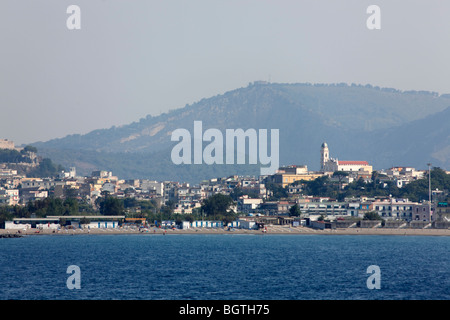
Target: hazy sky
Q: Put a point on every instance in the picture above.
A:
(134, 58)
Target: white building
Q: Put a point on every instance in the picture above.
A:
(40, 183)
(156, 186)
(32, 194)
(329, 164)
(246, 204)
(246, 224)
(71, 174)
(394, 208)
(110, 187)
(9, 196)
(91, 222)
(206, 224)
(28, 223)
(7, 172)
(101, 174)
(353, 209)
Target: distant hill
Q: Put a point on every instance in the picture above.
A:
(381, 125)
(415, 143)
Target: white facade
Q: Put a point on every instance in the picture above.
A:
(110, 187)
(41, 183)
(394, 208)
(102, 225)
(401, 182)
(102, 174)
(207, 224)
(28, 223)
(248, 204)
(185, 225)
(246, 224)
(353, 209)
(7, 172)
(329, 164)
(10, 225)
(324, 157)
(9, 196)
(71, 174)
(158, 187)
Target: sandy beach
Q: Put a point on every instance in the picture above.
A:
(280, 230)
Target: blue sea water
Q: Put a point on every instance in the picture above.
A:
(222, 267)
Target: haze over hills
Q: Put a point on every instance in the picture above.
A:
(381, 125)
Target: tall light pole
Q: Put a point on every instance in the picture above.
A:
(429, 189)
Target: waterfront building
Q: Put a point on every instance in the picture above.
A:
(55, 222)
(392, 208)
(248, 205)
(28, 223)
(443, 211)
(92, 222)
(421, 212)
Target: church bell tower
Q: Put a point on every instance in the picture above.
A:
(324, 156)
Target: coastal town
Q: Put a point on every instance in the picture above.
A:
(286, 200)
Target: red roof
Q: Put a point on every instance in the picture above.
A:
(353, 163)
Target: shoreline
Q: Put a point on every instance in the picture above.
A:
(271, 230)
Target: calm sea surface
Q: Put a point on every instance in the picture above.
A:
(222, 267)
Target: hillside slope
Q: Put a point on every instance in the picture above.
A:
(358, 122)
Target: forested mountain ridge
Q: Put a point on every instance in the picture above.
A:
(358, 122)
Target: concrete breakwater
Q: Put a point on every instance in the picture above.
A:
(8, 235)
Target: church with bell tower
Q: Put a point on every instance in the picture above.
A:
(324, 156)
(328, 164)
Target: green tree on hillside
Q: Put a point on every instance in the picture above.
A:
(46, 168)
(372, 215)
(278, 192)
(29, 149)
(218, 204)
(110, 206)
(294, 211)
(218, 207)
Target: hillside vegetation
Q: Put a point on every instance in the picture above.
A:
(384, 126)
